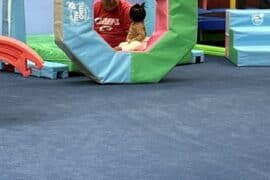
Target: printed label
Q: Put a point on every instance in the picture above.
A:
(257, 19)
(78, 12)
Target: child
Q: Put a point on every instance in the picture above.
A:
(136, 33)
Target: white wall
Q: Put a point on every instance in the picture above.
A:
(39, 16)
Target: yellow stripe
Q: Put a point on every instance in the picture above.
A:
(232, 4)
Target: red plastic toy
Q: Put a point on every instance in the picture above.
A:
(16, 53)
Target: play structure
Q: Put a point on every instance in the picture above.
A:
(212, 12)
(30, 23)
(15, 55)
(172, 37)
(247, 37)
(212, 20)
(172, 40)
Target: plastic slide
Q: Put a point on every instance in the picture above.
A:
(16, 53)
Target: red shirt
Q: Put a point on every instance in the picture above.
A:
(112, 25)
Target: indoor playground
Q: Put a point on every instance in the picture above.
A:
(189, 102)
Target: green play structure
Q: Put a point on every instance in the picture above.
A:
(171, 42)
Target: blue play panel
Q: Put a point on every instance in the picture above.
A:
(251, 36)
(197, 56)
(50, 70)
(253, 55)
(211, 23)
(213, 19)
(1, 65)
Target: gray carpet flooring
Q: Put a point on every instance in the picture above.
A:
(203, 122)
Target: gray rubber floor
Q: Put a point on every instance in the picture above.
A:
(203, 122)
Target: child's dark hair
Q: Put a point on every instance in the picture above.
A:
(137, 12)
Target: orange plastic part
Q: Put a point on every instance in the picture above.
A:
(16, 53)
